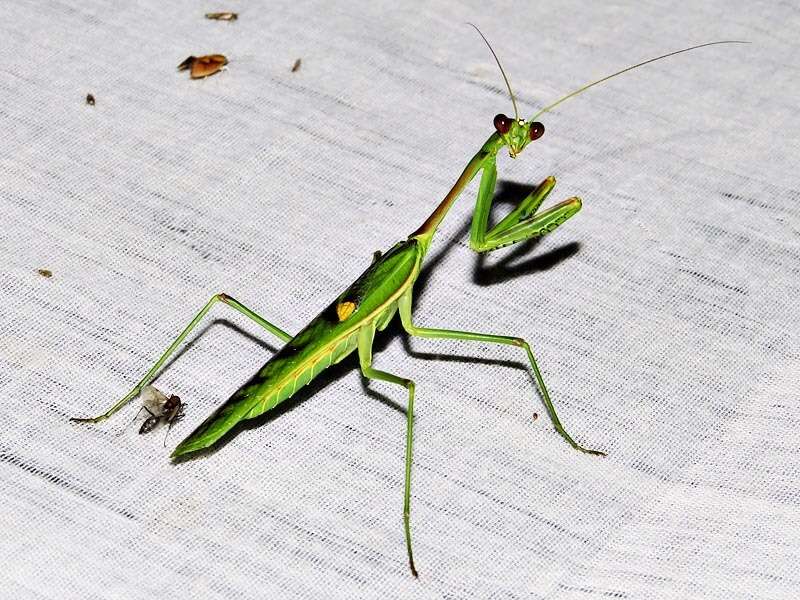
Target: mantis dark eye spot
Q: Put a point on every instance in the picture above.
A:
(536, 130)
(502, 123)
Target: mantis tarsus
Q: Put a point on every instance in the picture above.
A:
(350, 322)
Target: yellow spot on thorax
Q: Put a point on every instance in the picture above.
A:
(345, 309)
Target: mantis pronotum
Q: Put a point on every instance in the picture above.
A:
(350, 322)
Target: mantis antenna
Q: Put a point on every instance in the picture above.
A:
(497, 60)
(625, 70)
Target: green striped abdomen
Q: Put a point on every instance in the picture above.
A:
(370, 302)
(278, 380)
(272, 393)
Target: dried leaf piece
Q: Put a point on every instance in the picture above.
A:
(187, 63)
(203, 66)
(222, 16)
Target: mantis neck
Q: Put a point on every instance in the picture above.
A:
(425, 232)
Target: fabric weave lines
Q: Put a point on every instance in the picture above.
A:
(664, 315)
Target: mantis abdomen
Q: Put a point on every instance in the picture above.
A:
(329, 338)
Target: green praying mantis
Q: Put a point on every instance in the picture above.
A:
(367, 306)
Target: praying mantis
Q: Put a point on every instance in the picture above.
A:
(386, 288)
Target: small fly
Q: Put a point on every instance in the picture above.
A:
(160, 408)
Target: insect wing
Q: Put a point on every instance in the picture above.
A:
(153, 400)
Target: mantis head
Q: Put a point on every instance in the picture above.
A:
(517, 133)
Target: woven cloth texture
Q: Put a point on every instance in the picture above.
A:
(664, 315)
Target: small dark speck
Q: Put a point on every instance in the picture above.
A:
(713, 281)
(535, 416)
(589, 590)
(748, 200)
(58, 481)
(296, 65)
(45, 273)
(176, 228)
(291, 349)
(89, 99)
(650, 470)
(204, 254)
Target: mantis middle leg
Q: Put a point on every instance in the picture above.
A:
(148, 377)
(365, 338)
(404, 306)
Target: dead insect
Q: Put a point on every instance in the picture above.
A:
(45, 272)
(222, 16)
(535, 416)
(203, 66)
(296, 65)
(160, 408)
(89, 99)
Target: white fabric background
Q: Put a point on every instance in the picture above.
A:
(664, 315)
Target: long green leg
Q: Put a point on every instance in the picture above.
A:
(365, 337)
(520, 224)
(426, 332)
(285, 337)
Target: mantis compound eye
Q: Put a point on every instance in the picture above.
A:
(536, 131)
(502, 123)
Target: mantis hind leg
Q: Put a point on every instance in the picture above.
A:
(365, 338)
(426, 332)
(148, 377)
(523, 222)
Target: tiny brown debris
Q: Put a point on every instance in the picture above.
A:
(535, 416)
(90, 99)
(222, 16)
(203, 66)
(45, 272)
(296, 65)
(187, 63)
